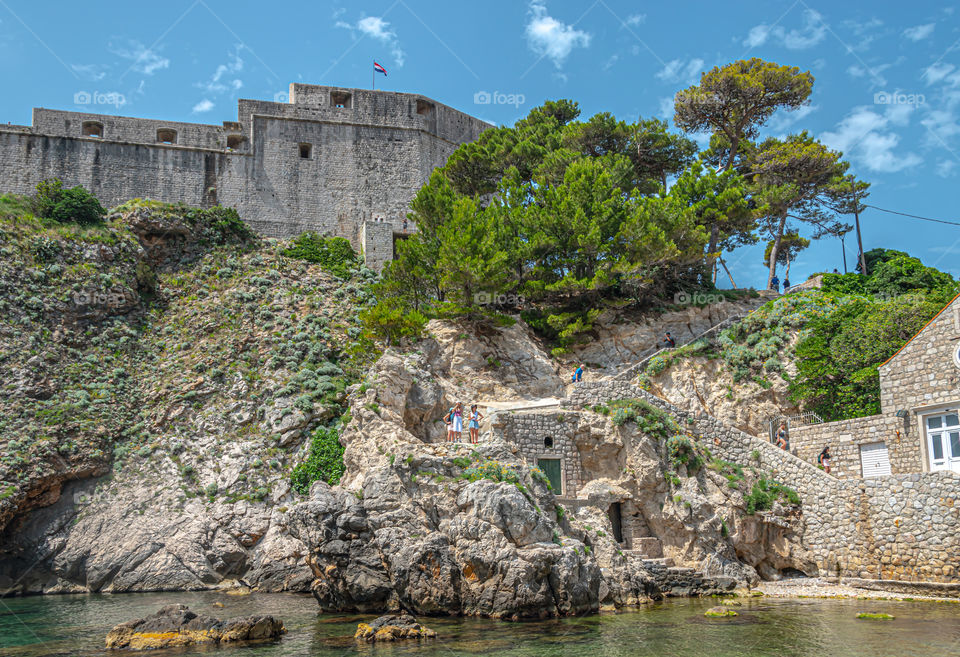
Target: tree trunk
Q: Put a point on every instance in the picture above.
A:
(712, 246)
(776, 249)
(729, 275)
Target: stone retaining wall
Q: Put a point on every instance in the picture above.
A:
(902, 527)
(845, 437)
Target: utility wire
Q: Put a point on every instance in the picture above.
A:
(913, 216)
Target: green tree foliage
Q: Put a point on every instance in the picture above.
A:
(733, 102)
(841, 351)
(797, 178)
(561, 212)
(74, 205)
(791, 244)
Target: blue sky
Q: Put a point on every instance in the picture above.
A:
(887, 88)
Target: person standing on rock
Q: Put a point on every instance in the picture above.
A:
(474, 425)
(824, 458)
(578, 374)
(454, 420)
(668, 341)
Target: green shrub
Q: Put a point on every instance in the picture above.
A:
(392, 322)
(649, 419)
(64, 206)
(333, 254)
(682, 450)
(764, 493)
(324, 461)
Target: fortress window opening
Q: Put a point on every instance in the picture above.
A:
(166, 136)
(92, 129)
(234, 141)
(306, 151)
(340, 99)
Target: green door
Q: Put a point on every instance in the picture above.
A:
(551, 468)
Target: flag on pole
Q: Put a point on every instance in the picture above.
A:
(378, 68)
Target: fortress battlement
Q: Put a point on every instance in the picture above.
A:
(329, 159)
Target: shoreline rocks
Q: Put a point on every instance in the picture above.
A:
(176, 625)
(393, 628)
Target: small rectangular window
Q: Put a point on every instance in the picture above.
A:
(305, 151)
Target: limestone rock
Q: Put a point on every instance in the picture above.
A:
(176, 625)
(719, 612)
(393, 628)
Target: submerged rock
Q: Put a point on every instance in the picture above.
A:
(392, 628)
(176, 625)
(719, 612)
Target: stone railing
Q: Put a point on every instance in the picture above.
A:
(637, 367)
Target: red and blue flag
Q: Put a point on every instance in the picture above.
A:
(378, 68)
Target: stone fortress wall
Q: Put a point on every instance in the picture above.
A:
(902, 527)
(331, 160)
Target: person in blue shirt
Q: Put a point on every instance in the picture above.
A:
(578, 373)
(775, 284)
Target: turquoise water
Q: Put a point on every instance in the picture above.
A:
(77, 625)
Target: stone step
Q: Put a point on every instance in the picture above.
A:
(649, 547)
(663, 562)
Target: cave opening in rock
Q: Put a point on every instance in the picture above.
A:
(616, 520)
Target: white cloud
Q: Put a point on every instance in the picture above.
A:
(610, 62)
(144, 60)
(219, 82)
(379, 29)
(89, 71)
(865, 136)
(919, 32)
(937, 72)
(636, 19)
(548, 37)
(665, 110)
(678, 71)
(204, 105)
(814, 31)
(781, 121)
(945, 168)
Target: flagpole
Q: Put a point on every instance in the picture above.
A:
(373, 78)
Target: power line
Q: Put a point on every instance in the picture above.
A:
(913, 216)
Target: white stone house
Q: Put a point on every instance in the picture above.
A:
(918, 429)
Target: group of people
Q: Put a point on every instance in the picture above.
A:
(454, 421)
(775, 284)
(783, 442)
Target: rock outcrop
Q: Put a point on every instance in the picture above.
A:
(175, 626)
(393, 628)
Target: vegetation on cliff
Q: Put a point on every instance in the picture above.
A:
(160, 339)
(827, 344)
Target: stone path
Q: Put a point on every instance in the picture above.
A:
(817, 587)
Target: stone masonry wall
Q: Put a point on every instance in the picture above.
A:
(925, 372)
(845, 437)
(528, 431)
(904, 527)
(286, 167)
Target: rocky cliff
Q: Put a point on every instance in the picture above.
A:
(168, 371)
(163, 374)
